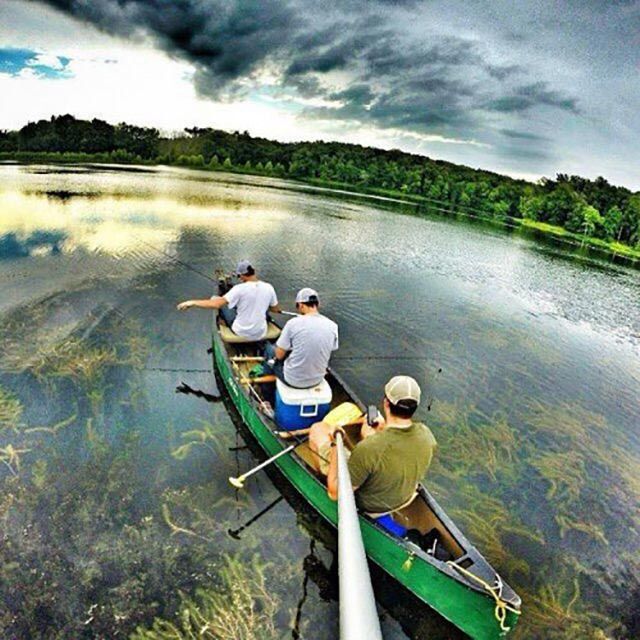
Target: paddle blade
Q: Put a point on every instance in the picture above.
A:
(238, 483)
(344, 414)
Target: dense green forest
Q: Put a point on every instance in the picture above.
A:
(592, 209)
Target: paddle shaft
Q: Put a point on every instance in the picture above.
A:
(266, 463)
(358, 614)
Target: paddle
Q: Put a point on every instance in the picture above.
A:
(340, 416)
(240, 480)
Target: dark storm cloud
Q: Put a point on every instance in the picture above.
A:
(521, 135)
(389, 77)
(225, 40)
(533, 95)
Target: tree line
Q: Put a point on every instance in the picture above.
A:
(592, 208)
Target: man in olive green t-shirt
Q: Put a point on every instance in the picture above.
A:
(390, 460)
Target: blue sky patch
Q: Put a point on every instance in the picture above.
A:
(13, 61)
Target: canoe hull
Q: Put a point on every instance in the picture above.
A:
(470, 610)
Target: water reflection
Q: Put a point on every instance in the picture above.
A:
(36, 243)
(121, 483)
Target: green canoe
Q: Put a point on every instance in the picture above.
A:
(435, 562)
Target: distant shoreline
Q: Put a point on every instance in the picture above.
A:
(616, 250)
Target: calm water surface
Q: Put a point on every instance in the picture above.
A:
(115, 505)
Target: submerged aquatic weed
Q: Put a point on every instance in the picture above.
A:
(242, 608)
(556, 612)
(10, 456)
(486, 520)
(565, 426)
(207, 436)
(575, 440)
(473, 442)
(177, 529)
(74, 359)
(566, 474)
(56, 427)
(135, 349)
(10, 411)
(93, 560)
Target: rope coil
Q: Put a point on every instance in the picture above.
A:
(501, 607)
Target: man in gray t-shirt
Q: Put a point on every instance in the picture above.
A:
(308, 340)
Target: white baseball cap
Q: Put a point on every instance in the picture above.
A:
(307, 295)
(402, 388)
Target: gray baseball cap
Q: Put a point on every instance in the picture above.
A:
(243, 268)
(306, 295)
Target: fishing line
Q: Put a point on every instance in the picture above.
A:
(417, 358)
(165, 369)
(178, 261)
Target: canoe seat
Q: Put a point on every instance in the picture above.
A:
(228, 336)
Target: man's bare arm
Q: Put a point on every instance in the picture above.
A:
(332, 475)
(281, 353)
(275, 308)
(208, 303)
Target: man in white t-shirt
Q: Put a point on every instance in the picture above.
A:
(244, 307)
(302, 352)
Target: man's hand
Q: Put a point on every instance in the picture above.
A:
(332, 433)
(379, 423)
(187, 304)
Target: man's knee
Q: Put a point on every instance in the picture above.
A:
(319, 442)
(319, 432)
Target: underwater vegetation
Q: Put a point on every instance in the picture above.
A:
(240, 607)
(92, 544)
(482, 474)
(114, 521)
(566, 475)
(10, 411)
(473, 443)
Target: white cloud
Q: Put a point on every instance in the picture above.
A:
(47, 60)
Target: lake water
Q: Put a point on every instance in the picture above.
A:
(115, 507)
